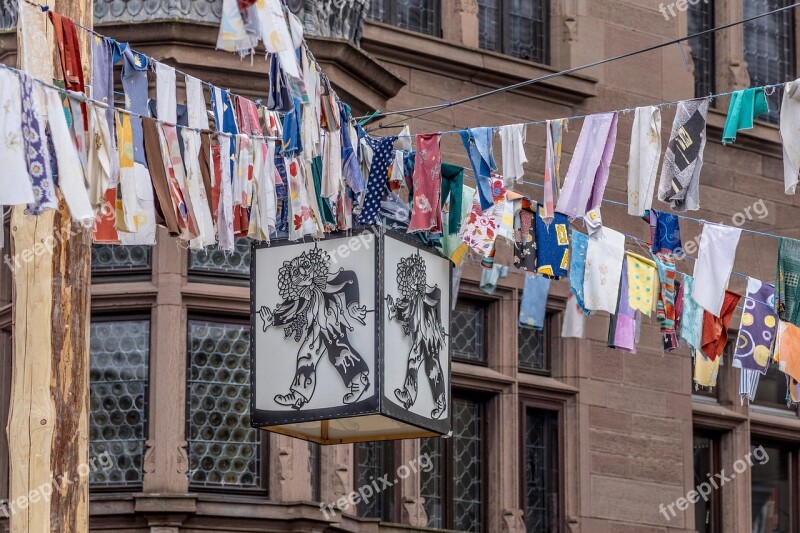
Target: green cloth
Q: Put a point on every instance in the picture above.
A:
(452, 186)
(324, 204)
(745, 105)
(787, 283)
(451, 241)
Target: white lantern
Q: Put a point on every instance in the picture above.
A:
(350, 338)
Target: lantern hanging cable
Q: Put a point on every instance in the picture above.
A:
(425, 110)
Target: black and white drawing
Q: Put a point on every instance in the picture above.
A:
(320, 310)
(419, 311)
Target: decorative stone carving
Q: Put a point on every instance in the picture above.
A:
(571, 29)
(739, 77)
(513, 521)
(340, 481)
(115, 11)
(149, 462)
(183, 459)
(468, 7)
(414, 512)
(342, 19)
(285, 464)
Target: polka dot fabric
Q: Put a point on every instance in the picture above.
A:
(378, 176)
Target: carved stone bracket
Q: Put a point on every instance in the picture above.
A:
(513, 521)
(414, 512)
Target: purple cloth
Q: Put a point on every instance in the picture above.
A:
(757, 330)
(622, 328)
(588, 171)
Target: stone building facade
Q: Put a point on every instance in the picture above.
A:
(549, 434)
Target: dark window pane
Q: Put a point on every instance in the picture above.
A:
(701, 18)
(119, 259)
(528, 30)
(120, 352)
(373, 461)
(416, 15)
(769, 46)
(212, 260)
(223, 448)
(467, 465)
(541, 470)
(706, 464)
(377, 10)
(489, 37)
(467, 327)
(430, 482)
(532, 350)
(314, 459)
(770, 490)
(772, 388)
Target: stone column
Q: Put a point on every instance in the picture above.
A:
(460, 21)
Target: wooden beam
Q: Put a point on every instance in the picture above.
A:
(48, 421)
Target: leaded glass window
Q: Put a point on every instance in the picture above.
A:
(373, 461)
(532, 350)
(120, 259)
(769, 46)
(467, 326)
(519, 28)
(541, 471)
(421, 16)
(701, 18)
(119, 362)
(223, 448)
(457, 471)
(213, 261)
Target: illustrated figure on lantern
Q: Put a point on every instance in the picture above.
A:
(320, 308)
(419, 310)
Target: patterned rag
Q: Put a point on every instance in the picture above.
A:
(643, 159)
(552, 166)
(525, 241)
(588, 171)
(665, 232)
(326, 212)
(705, 369)
(169, 213)
(478, 143)
(577, 266)
(513, 151)
(680, 174)
(279, 97)
(292, 134)
(233, 33)
(533, 308)
(37, 153)
(426, 208)
(622, 326)
(196, 191)
(134, 83)
(714, 265)
(574, 320)
(69, 52)
(127, 203)
(715, 328)
(453, 196)
(276, 36)
(71, 179)
(787, 281)
(790, 137)
(103, 84)
(103, 161)
(642, 283)
(552, 245)
(691, 316)
(351, 170)
(757, 329)
(744, 106)
(173, 163)
(787, 349)
(665, 306)
(378, 176)
(604, 257)
(302, 221)
(748, 384)
(480, 229)
(15, 181)
(196, 104)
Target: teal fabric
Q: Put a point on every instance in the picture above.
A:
(744, 107)
(453, 186)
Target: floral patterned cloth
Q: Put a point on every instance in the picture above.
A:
(426, 211)
(37, 154)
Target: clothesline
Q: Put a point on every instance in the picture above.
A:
(579, 117)
(210, 85)
(432, 108)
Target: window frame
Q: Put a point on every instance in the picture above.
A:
(447, 471)
(131, 316)
(503, 23)
(395, 496)
(558, 407)
(793, 449)
(127, 274)
(390, 16)
(716, 437)
(712, 48)
(550, 336)
(486, 305)
(263, 436)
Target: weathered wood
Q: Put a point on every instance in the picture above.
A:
(48, 420)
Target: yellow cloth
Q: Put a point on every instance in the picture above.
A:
(642, 283)
(705, 370)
